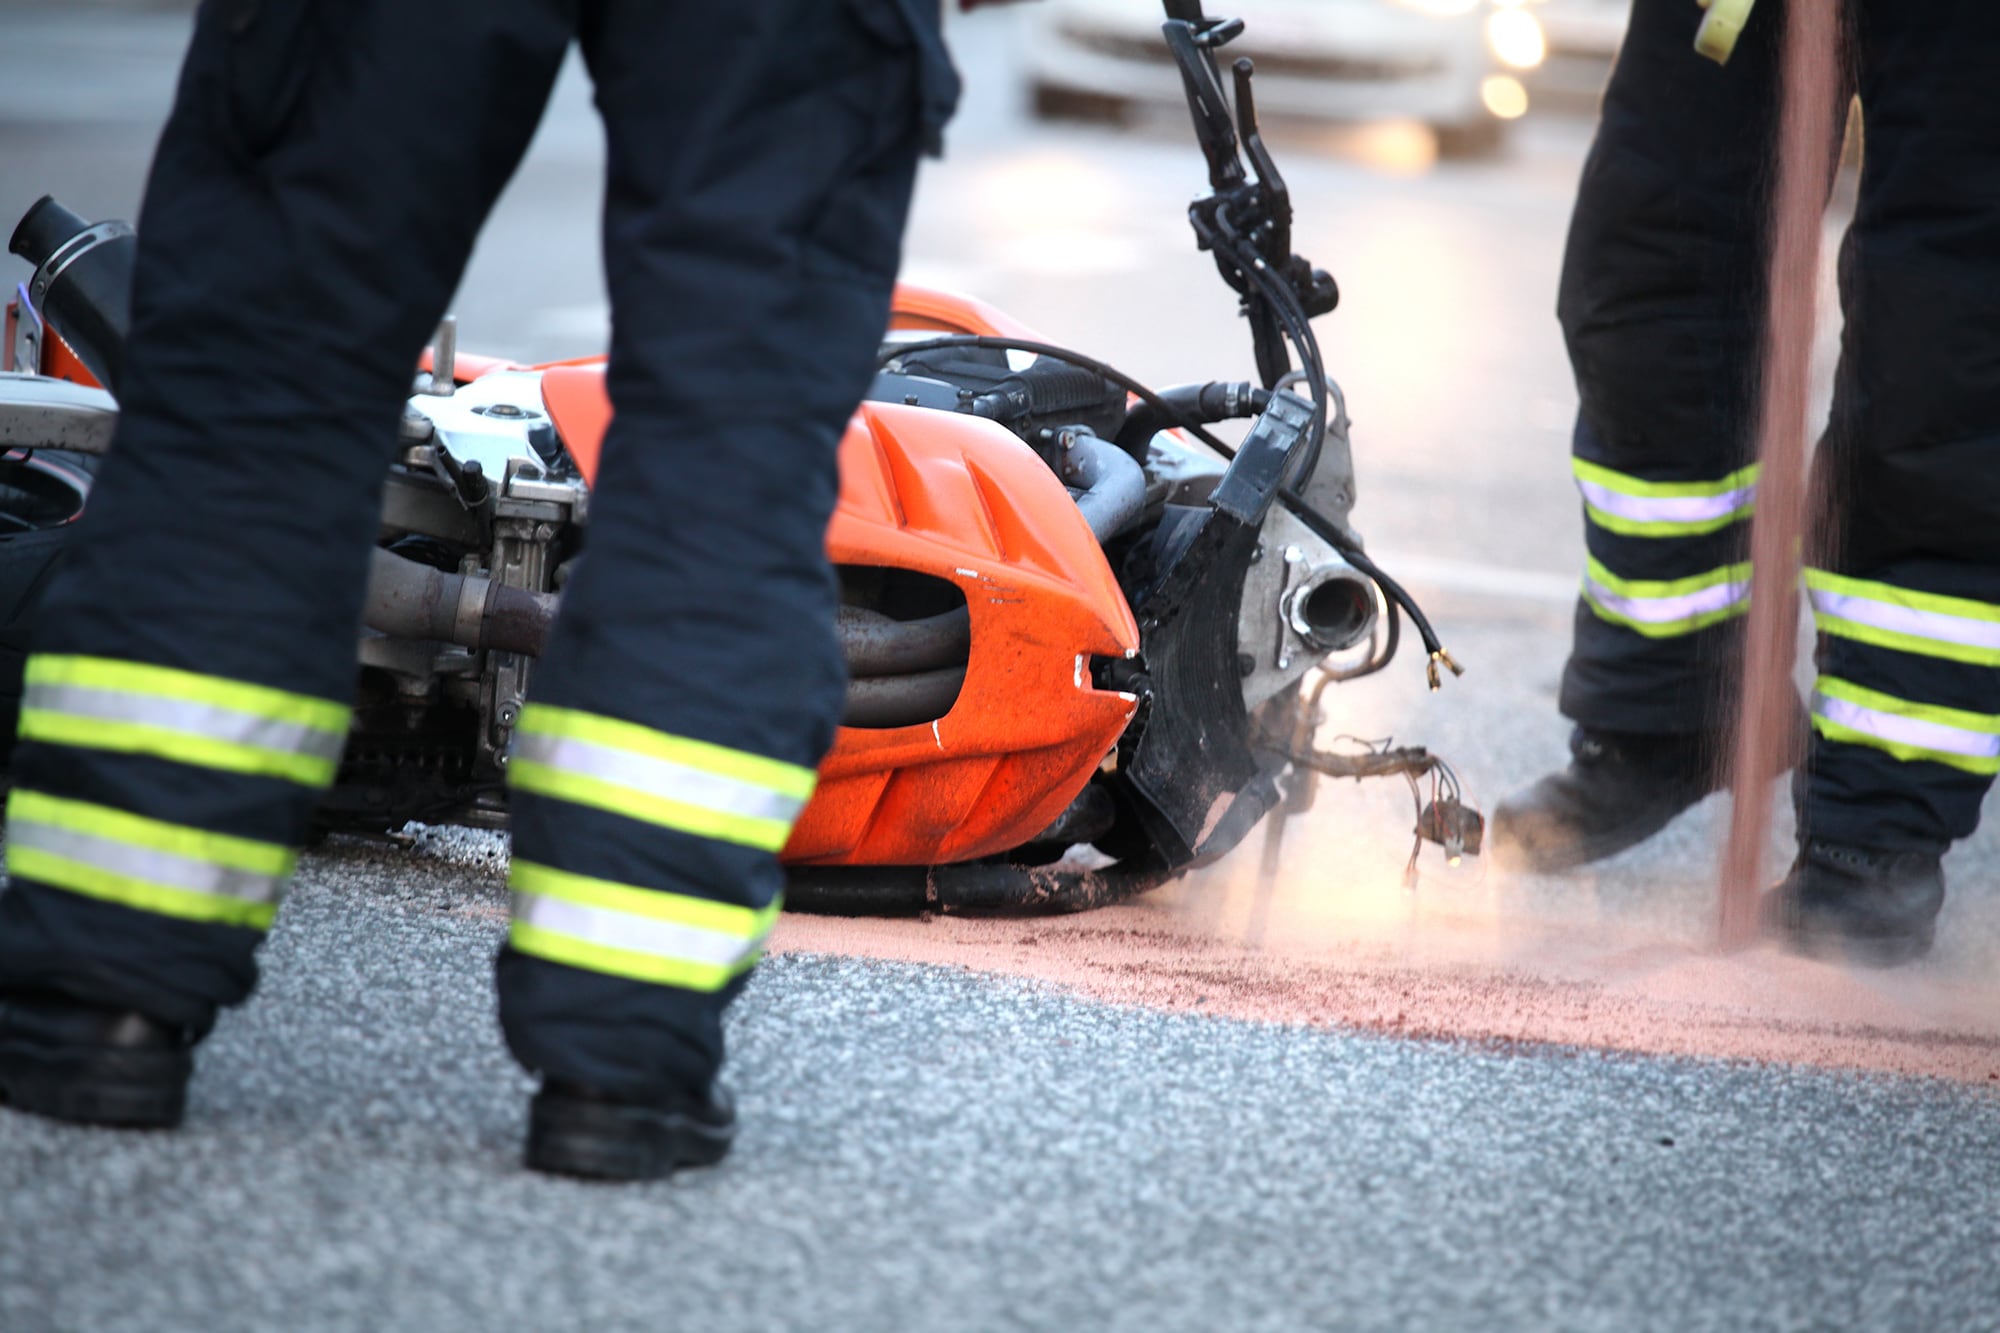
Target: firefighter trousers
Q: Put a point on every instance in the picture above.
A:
(312, 205)
(1661, 306)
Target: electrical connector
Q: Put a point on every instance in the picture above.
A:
(1440, 658)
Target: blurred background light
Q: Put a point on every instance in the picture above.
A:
(1504, 96)
(1516, 37)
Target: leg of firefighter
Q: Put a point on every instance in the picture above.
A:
(312, 204)
(1661, 305)
(753, 226)
(1906, 595)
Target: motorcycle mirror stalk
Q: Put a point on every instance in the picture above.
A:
(444, 359)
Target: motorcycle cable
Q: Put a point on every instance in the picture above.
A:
(1284, 306)
(1290, 313)
(890, 356)
(1330, 532)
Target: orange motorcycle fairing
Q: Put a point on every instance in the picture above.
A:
(964, 500)
(930, 309)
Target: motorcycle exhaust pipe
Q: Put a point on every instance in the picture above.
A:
(411, 600)
(878, 645)
(902, 701)
(82, 285)
(1112, 485)
(1333, 608)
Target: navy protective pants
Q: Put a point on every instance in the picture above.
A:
(1662, 308)
(315, 196)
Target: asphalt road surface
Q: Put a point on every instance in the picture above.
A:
(935, 1146)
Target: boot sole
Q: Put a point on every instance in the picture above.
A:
(117, 1089)
(597, 1141)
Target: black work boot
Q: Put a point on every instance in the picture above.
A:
(1620, 788)
(579, 1131)
(70, 1060)
(1872, 907)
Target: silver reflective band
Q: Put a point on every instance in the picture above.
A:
(1669, 610)
(195, 719)
(1667, 508)
(612, 929)
(1898, 729)
(1937, 626)
(659, 778)
(143, 863)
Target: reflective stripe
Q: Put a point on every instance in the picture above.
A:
(667, 939)
(1626, 504)
(1882, 614)
(1663, 609)
(687, 785)
(133, 708)
(1844, 711)
(169, 869)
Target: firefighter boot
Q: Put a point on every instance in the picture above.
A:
(92, 1065)
(579, 1131)
(1873, 907)
(1620, 788)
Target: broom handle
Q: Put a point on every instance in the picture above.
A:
(1768, 703)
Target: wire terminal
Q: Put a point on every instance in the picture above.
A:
(1440, 658)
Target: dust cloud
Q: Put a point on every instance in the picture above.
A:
(1336, 940)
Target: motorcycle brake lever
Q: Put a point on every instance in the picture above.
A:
(1213, 129)
(1277, 196)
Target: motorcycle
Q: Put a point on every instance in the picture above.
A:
(1078, 623)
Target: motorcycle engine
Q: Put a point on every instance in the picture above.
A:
(482, 488)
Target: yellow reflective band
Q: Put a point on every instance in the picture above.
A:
(1957, 629)
(1662, 589)
(739, 765)
(750, 831)
(1908, 730)
(631, 964)
(178, 746)
(1897, 641)
(1625, 484)
(104, 673)
(747, 923)
(1658, 527)
(661, 938)
(690, 786)
(1635, 508)
(1667, 608)
(1963, 608)
(182, 716)
(1833, 687)
(146, 864)
(1987, 765)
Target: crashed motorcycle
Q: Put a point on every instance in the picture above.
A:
(1080, 625)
